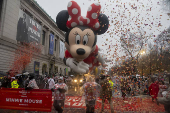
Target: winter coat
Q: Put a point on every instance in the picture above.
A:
(106, 90)
(154, 89)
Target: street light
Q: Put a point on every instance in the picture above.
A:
(143, 52)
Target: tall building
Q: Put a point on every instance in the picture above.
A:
(25, 21)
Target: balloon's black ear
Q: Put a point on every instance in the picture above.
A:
(104, 24)
(61, 20)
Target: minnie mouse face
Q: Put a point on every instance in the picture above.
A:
(81, 32)
(80, 42)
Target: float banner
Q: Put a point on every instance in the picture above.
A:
(29, 100)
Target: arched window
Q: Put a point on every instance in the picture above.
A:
(55, 69)
(60, 70)
(44, 69)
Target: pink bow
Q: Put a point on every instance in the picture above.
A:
(90, 20)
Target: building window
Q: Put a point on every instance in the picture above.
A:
(43, 37)
(44, 69)
(55, 47)
(56, 69)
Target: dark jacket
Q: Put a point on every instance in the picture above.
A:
(106, 90)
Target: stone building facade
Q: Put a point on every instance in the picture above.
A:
(9, 14)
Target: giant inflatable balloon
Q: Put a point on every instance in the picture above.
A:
(81, 35)
(99, 62)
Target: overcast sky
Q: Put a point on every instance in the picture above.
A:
(123, 15)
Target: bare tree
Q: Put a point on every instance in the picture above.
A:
(162, 43)
(132, 44)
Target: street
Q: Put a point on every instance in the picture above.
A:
(75, 104)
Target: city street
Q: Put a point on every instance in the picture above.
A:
(141, 103)
(75, 104)
(118, 50)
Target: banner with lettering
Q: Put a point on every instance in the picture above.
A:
(28, 30)
(29, 100)
(79, 102)
(51, 48)
(62, 49)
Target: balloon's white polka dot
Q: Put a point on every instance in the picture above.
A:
(79, 18)
(97, 25)
(69, 4)
(73, 24)
(69, 18)
(97, 4)
(80, 22)
(84, 17)
(94, 15)
(90, 8)
(88, 20)
(74, 11)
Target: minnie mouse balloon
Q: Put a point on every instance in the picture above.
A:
(81, 35)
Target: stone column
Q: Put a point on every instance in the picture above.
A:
(47, 42)
(42, 25)
(58, 48)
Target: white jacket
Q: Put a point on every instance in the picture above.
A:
(33, 84)
(51, 83)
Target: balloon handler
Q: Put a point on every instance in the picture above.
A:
(60, 89)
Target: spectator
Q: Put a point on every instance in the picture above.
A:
(154, 89)
(32, 83)
(26, 82)
(4, 82)
(51, 82)
(165, 99)
(14, 83)
(162, 87)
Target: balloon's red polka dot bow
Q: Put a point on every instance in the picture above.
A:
(90, 20)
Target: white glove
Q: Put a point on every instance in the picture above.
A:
(103, 59)
(79, 67)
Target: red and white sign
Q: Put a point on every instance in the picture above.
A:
(78, 102)
(74, 102)
(30, 100)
